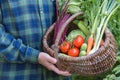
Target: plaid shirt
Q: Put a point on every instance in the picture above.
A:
(22, 25)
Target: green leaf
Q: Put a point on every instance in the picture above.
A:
(118, 58)
(76, 3)
(73, 9)
(116, 68)
(112, 77)
(117, 72)
(117, 78)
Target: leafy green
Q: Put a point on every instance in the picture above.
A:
(73, 34)
(114, 26)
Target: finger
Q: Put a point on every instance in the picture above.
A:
(64, 73)
(51, 59)
(56, 70)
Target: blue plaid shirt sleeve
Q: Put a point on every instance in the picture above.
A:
(22, 27)
(14, 50)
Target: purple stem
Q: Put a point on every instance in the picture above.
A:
(61, 18)
(58, 25)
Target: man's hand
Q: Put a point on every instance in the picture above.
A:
(49, 62)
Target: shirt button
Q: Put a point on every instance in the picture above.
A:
(41, 11)
(52, 0)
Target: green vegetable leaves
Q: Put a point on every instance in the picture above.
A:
(73, 34)
(74, 6)
(73, 9)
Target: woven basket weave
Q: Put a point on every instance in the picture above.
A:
(100, 61)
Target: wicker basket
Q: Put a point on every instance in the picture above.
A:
(101, 61)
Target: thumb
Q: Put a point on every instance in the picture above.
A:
(51, 59)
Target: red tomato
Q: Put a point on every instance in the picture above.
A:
(65, 46)
(74, 52)
(78, 41)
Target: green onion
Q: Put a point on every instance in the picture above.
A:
(107, 9)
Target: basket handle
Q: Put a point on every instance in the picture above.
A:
(56, 45)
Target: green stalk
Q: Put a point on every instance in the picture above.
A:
(103, 18)
(99, 21)
(94, 27)
(105, 25)
(98, 33)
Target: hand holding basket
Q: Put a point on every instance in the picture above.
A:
(101, 61)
